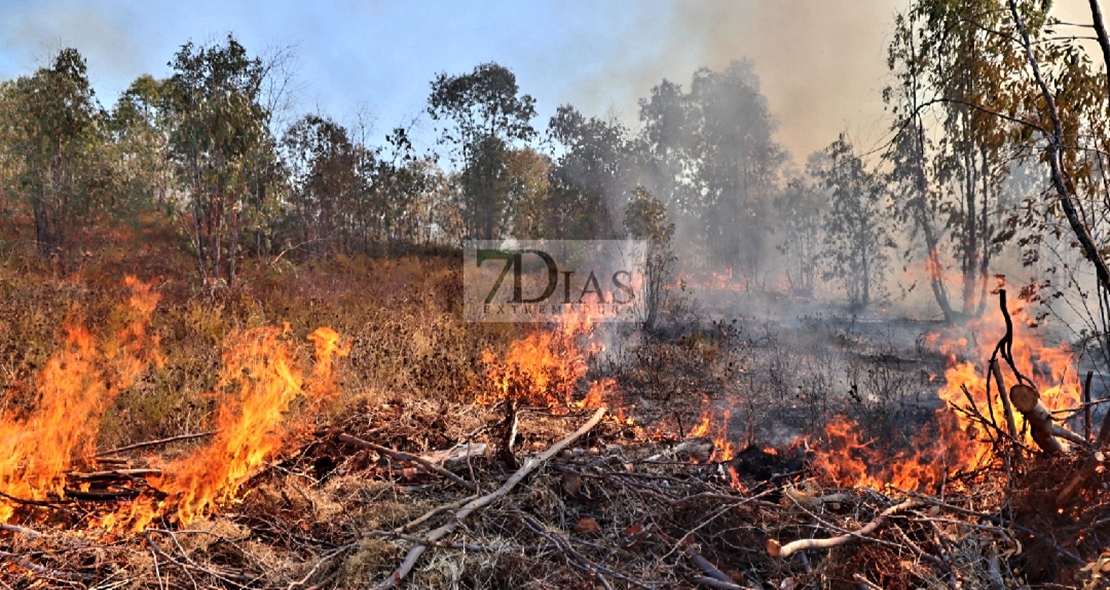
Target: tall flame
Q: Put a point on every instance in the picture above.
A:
(258, 383)
(957, 441)
(77, 385)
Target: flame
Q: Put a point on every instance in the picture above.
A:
(326, 348)
(547, 367)
(76, 387)
(957, 441)
(258, 384)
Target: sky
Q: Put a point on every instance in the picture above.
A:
(822, 63)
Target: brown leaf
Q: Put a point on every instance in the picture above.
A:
(587, 527)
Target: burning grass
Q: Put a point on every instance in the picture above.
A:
(690, 476)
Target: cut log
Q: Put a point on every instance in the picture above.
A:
(1028, 402)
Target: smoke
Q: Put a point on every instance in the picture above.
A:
(111, 41)
(822, 64)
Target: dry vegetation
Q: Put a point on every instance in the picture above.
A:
(714, 452)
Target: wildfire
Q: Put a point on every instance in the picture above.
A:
(956, 442)
(547, 367)
(78, 383)
(259, 382)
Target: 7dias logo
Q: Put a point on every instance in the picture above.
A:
(552, 281)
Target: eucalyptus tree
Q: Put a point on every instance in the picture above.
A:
(856, 233)
(481, 114)
(54, 143)
(953, 66)
(711, 153)
(591, 176)
(222, 149)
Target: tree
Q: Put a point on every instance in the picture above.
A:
(590, 176)
(140, 144)
(800, 213)
(713, 151)
(56, 135)
(326, 181)
(483, 113)
(221, 147)
(856, 234)
(529, 174)
(949, 60)
(645, 218)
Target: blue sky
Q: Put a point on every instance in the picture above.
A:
(821, 62)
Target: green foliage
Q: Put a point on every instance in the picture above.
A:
(645, 218)
(484, 113)
(220, 144)
(589, 177)
(856, 234)
(713, 153)
(55, 156)
(801, 211)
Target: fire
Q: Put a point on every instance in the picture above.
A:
(77, 386)
(547, 367)
(258, 386)
(259, 382)
(957, 441)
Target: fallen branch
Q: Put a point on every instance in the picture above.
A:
(716, 578)
(152, 443)
(776, 549)
(715, 583)
(401, 456)
(478, 503)
(116, 474)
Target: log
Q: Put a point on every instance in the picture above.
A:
(449, 459)
(456, 458)
(115, 474)
(478, 503)
(777, 549)
(699, 449)
(1028, 402)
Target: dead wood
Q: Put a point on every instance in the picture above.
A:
(115, 474)
(457, 457)
(1028, 401)
(1087, 405)
(776, 549)
(20, 530)
(1011, 425)
(698, 448)
(1089, 467)
(413, 459)
(716, 578)
(478, 503)
(152, 443)
(715, 583)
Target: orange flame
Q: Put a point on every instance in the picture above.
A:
(259, 382)
(547, 367)
(957, 442)
(76, 387)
